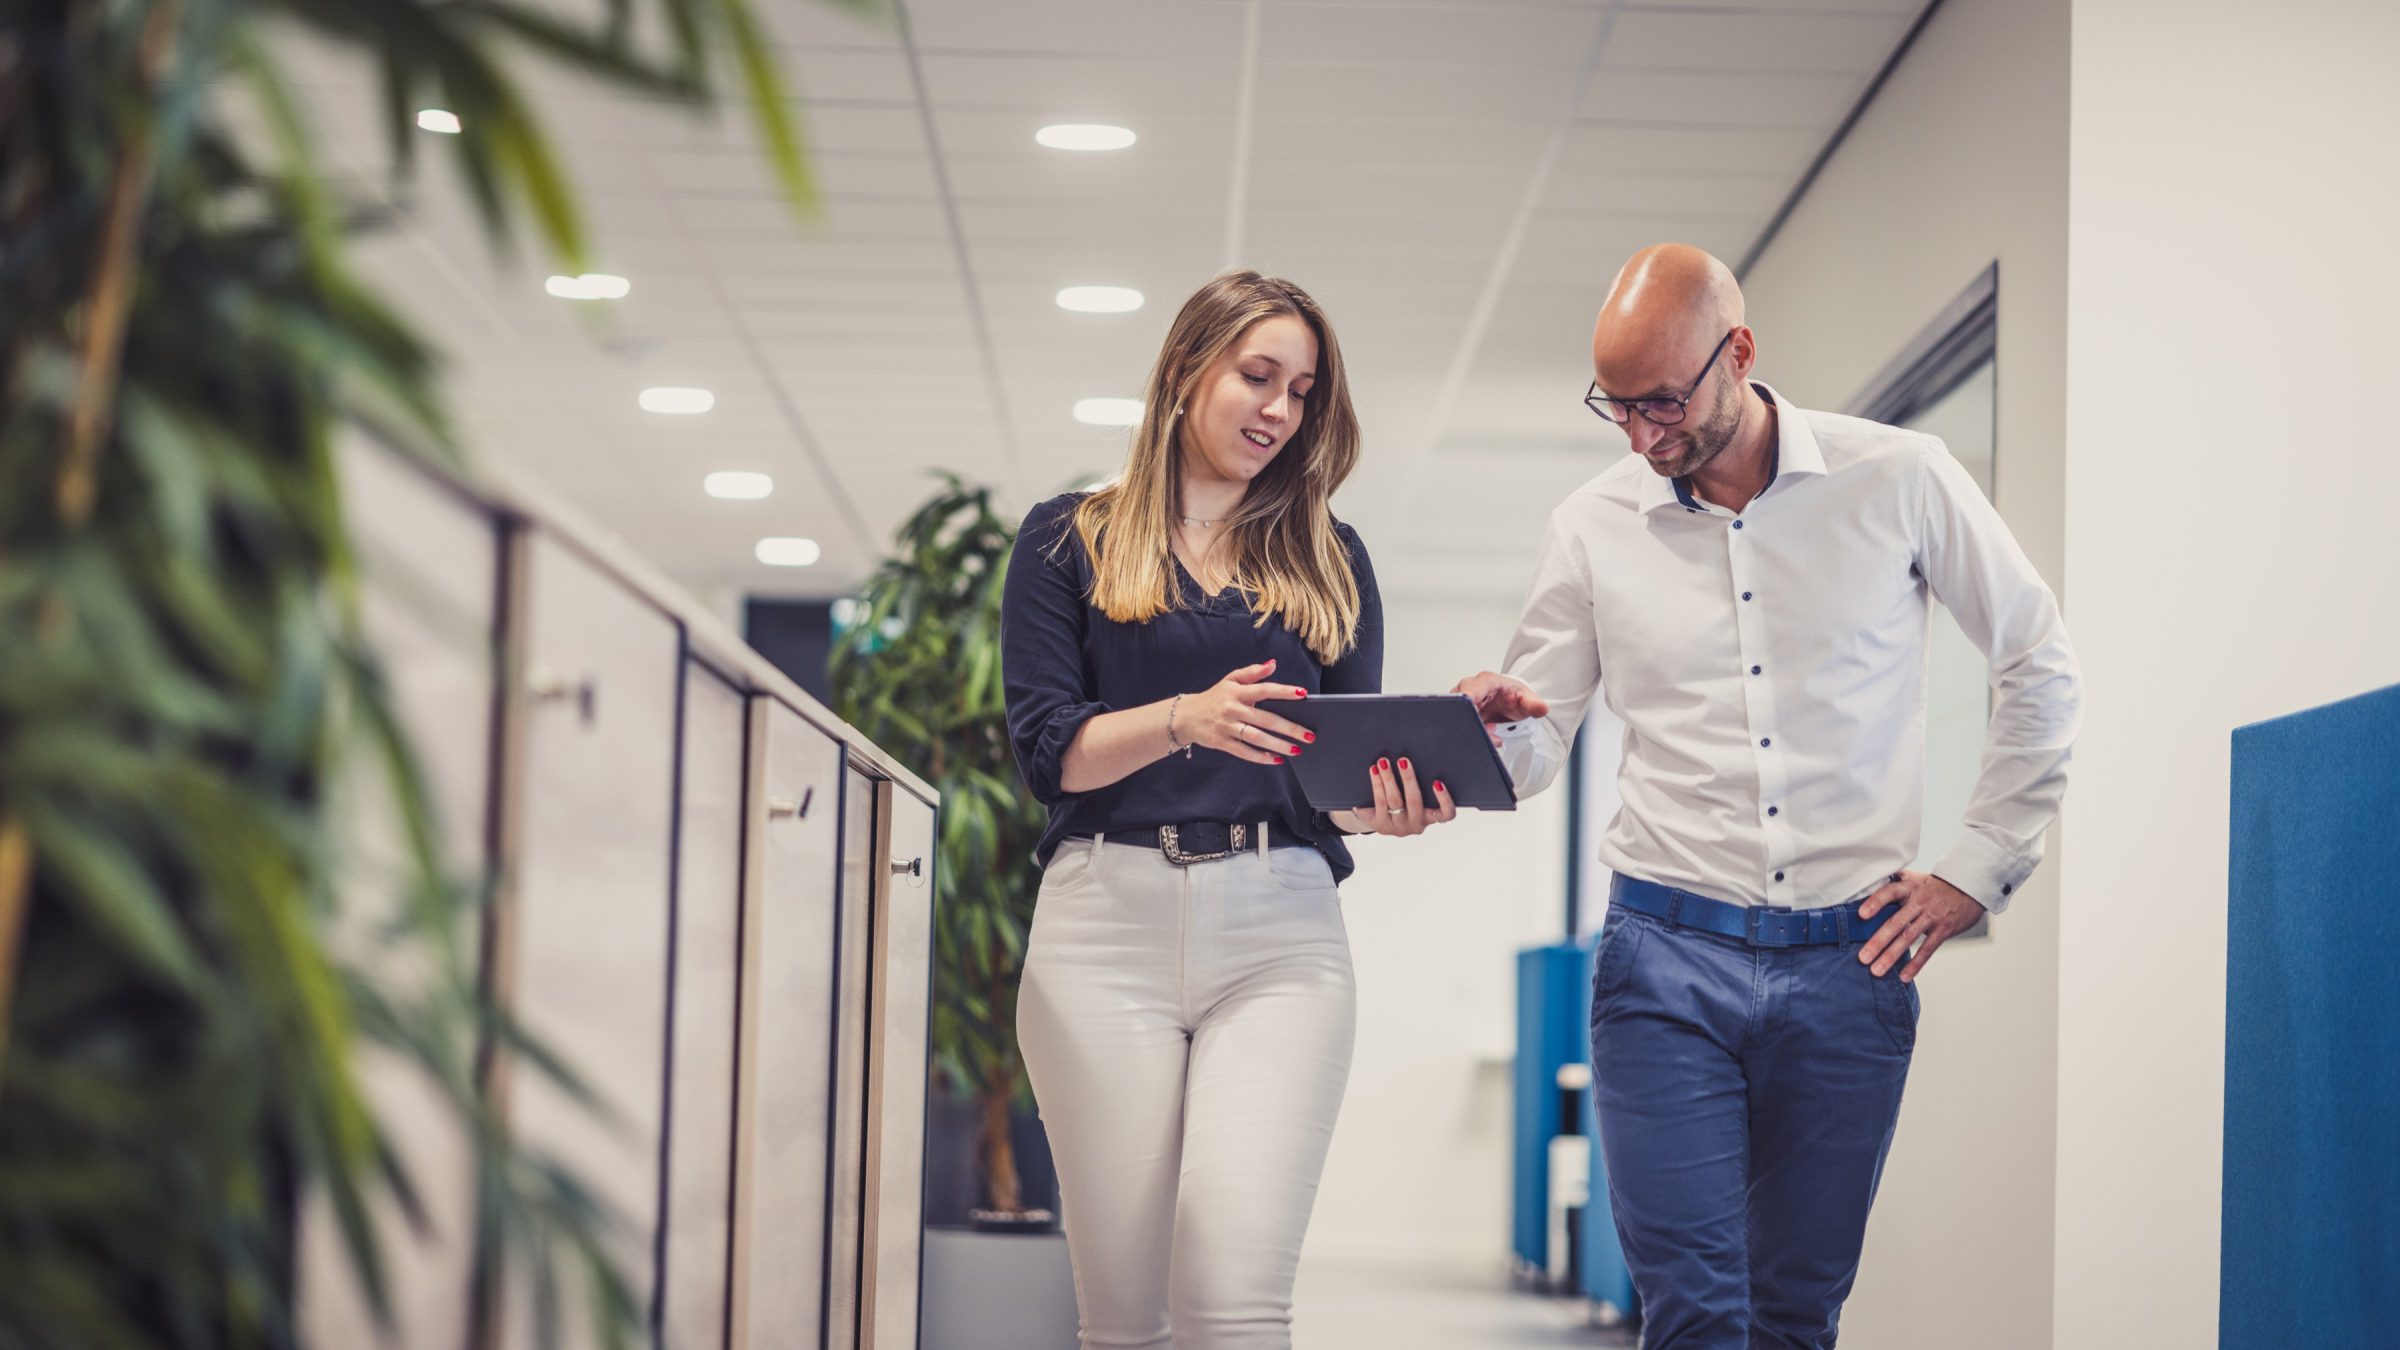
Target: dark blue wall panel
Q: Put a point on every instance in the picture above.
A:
(2312, 1032)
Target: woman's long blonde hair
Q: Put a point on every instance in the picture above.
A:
(1286, 557)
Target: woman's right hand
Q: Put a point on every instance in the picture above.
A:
(1226, 716)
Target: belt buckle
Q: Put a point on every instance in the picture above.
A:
(1781, 936)
(1237, 837)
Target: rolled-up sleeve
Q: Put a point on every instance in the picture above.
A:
(1042, 618)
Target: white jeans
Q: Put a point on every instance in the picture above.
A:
(1188, 1033)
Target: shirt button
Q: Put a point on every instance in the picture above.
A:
(1737, 524)
(1779, 876)
(1772, 810)
(1765, 741)
(1754, 670)
(2006, 889)
(1745, 595)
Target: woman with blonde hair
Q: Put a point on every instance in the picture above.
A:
(1187, 1007)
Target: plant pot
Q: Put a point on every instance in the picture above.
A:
(954, 1184)
(997, 1291)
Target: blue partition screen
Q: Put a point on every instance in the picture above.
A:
(1553, 1001)
(2311, 1222)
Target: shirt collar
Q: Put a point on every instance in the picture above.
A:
(1796, 452)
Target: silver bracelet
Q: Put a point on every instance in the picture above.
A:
(1184, 746)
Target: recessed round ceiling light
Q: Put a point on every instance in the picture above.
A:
(739, 487)
(589, 286)
(1108, 412)
(789, 552)
(1085, 136)
(1100, 299)
(438, 119)
(670, 399)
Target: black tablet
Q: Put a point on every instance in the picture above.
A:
(1440, 735)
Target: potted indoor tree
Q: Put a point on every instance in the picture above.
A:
(917, 668)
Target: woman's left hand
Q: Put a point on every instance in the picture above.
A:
(1400, 808)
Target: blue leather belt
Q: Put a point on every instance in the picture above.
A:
(1758, 925)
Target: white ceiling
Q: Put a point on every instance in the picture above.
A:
(1455, 180)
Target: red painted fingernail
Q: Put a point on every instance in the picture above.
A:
(1299, 693)
(1404, 764)
(1437, 786)
(1384, 762)
(1374, 768)
(1309, 736)
(1279, 759)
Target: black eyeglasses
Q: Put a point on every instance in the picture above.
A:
(1665, 410)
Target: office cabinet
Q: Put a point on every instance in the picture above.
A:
(694, 906)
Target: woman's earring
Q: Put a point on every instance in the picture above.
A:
(1179, 410)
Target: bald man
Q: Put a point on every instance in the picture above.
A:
(1749, 592)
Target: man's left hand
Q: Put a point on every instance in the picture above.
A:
(1930, 909)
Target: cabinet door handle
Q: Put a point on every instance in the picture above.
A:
(913, 867)
(785, 806)
(549, 686)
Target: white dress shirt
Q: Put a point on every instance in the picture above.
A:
(1769, 668)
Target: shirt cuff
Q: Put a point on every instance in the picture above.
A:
(1984, 870)
(1518, 751)
(1047, 776)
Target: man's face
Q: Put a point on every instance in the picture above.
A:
(1639, 369)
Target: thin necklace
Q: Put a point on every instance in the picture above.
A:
(1203, 524)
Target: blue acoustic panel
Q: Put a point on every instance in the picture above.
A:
(1553, 996)
(2311, 1223)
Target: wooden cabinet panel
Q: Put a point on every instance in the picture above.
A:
(860, 860)
(429, 557)
(896, 1095)
(582, 955)
(708, 935)
(791, 936)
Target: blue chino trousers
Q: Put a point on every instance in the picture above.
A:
(1746, 1098)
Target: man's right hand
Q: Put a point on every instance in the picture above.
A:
(1501, 698)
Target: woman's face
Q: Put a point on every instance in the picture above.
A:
(1250, 403)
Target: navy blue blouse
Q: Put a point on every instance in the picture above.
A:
(1065, 662)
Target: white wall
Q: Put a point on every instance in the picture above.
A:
(2231, 559)
(1960, 160)
(1419, 1172)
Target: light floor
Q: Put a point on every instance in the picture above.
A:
(1380, 1308)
